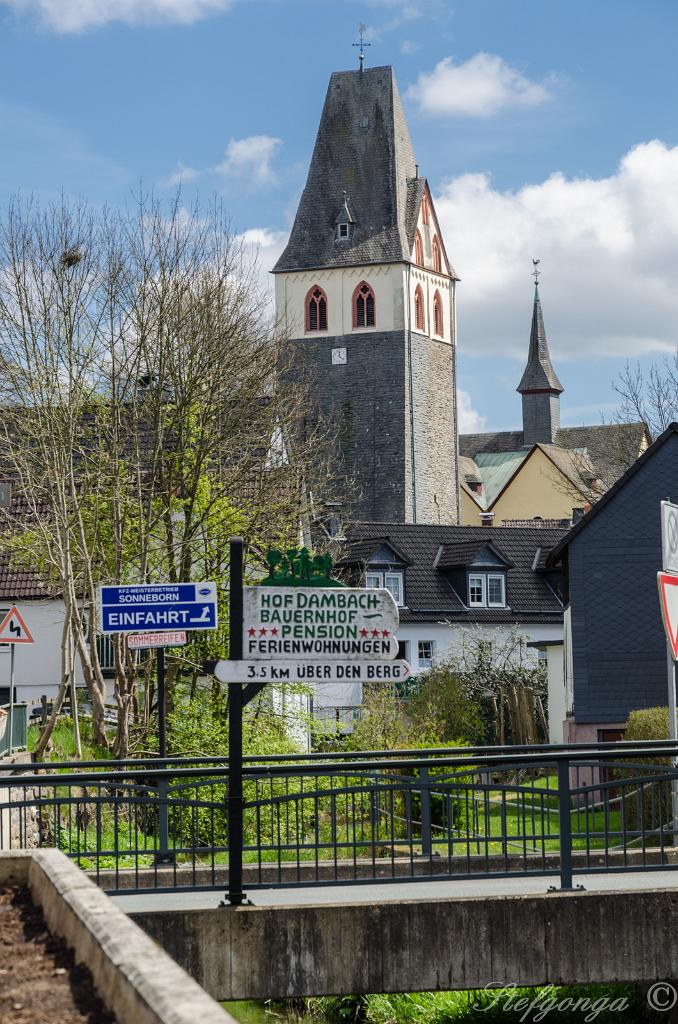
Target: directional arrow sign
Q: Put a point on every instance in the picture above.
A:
(327, 623)
(141, 606)
(302, 671)
(668, 600)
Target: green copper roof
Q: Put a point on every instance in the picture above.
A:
(496, 469)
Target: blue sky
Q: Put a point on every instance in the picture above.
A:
(545, 129)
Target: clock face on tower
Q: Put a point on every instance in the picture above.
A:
(338, 357)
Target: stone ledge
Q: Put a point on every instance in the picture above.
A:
(138, 982)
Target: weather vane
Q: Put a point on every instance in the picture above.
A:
(536, 272)
(362, 44)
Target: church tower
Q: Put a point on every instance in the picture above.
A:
(539, 385)
(366, 292)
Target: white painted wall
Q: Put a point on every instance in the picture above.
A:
(390, 284)
(37, 666)
(556, 690)
(450, 639)
(339, 283)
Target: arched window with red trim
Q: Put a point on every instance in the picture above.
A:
(438, 315)
(316, 310)
(419, 321)
(364, 310)
(418, 250)
(437, 259)
(425, 211)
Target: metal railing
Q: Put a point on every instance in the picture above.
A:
(19, 728)
(343, 818)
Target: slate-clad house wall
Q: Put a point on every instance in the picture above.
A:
(611, 559)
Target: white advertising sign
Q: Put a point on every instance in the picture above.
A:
(145, 641)
(296, 671)
(323, 623)
(669, 537)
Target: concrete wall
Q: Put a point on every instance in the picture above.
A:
(134, 979)
(424, 945)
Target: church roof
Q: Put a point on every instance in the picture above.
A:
(539, 374)
(609, 447)
(363, 151)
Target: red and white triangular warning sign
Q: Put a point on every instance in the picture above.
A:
(668, 599)
(13, 629)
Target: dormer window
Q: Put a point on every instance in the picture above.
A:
(487, 590)
(392, 581)
(343, 224)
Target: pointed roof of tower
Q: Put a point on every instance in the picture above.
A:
(539, 374)
(363, 148)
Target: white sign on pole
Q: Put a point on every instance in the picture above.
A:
(669, 537)
(324, 623)
(145, 641)
(668, 600)
(305, 671)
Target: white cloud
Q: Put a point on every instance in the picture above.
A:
(78, 15)
(251, 158)
(180, 175)
(470, 420)
(480, 87)
(608, 248)
(265, 246)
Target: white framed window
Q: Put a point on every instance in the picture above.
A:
(476, 590)
(343, 231)
(392, 581)
(496, 592)
(425, 650)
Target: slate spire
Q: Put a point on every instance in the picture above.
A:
(363, 148)
(539, 374)
(539, 385)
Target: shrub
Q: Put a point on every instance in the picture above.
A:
(651, 802)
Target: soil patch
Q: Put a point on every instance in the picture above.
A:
(39, 980)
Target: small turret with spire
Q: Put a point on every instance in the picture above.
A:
(539, 385)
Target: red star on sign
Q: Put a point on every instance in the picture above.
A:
(274, 631)
(262, 631)
(375, 632)
(385, 632)
(364, 632)
(251, 631)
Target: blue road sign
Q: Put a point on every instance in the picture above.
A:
(142, 607)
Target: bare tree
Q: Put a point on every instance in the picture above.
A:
(650, 396)
(147, 410)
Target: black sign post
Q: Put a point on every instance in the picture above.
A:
(235, 705)
(164, 854)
